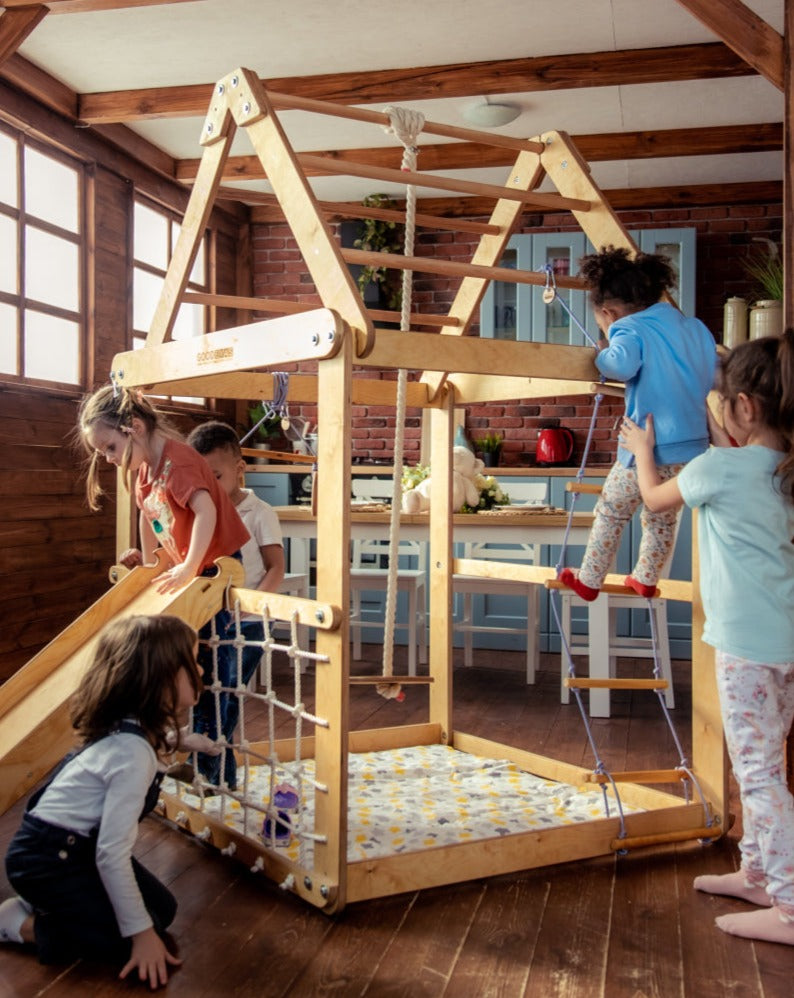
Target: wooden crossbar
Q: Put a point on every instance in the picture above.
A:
(585, 488)
(640, 841)
(283, 307)
(280, 455)
(292, 102)
(554, 202)
(379, 680)
(586, 683)
(674, 589)
(454, 268)
(639, 776)
(513, 571)
(343, 209)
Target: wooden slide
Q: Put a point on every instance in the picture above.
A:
(35, 731)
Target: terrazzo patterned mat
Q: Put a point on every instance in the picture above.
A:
(405, 800)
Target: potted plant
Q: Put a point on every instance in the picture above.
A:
(379, 235)
(766, 269)
(490, 446)
(266, 432)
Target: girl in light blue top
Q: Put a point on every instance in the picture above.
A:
(745, 498)
(667, 363)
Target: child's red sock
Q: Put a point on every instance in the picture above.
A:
(641, 590)
(570, 580)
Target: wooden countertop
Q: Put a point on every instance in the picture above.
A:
(521, 515)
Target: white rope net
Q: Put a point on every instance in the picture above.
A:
(281, 816)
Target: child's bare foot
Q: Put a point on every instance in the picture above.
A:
(765, 924)
(732, 885)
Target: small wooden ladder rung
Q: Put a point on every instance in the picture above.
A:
(585, 683)
(639, 776)
(400, 680)
(640, 841)
(585, 488)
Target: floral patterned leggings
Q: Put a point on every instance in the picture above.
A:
(757, 703)
(616, 505)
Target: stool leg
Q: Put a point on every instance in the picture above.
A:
(468, 643)
(663, 646)
(412, 631)
(533, 637)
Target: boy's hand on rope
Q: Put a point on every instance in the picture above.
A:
(634, 438)
(192, 741)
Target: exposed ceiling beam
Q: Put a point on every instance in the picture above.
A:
(558, 72)
(603, 147)
(266, 209)
(83, 6)
(16, 25)
(745, 32)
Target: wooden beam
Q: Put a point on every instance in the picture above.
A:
(499, 76)
(720, 140)
(84, 6)
(16, 25)
(788, 215)
(750, 37)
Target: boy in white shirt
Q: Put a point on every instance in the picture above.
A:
(263, 561)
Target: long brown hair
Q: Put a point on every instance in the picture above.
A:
(763, 369)
(612, 275)
(115, 408)
(134, 675)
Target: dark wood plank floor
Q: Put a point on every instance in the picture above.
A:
(613, 927)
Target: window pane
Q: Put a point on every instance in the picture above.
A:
(189, 322)
(51, 269)
(145, 295)
(51, 190)
(8, 170)
(8, 255)
(558, 323)
(51, 348)
(9, 363)
(150, 237)
(198, 274)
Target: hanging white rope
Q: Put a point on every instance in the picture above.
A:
(406, 125)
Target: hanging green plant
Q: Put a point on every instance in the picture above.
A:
(379, 235)
(766, 269)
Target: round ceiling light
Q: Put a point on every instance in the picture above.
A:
(487, 115)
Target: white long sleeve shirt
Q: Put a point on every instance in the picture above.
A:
(105, 787)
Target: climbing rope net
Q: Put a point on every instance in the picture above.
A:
(272, 812)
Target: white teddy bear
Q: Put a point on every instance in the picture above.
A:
(465, 467)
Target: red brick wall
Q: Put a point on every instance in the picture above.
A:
(724, 239)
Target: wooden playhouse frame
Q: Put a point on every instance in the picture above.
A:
(234, 363)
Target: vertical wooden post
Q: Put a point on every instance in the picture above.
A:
(788, 228)
(442, 427)
(709, 758)
(333, 586)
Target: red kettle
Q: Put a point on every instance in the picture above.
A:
(554, 446)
